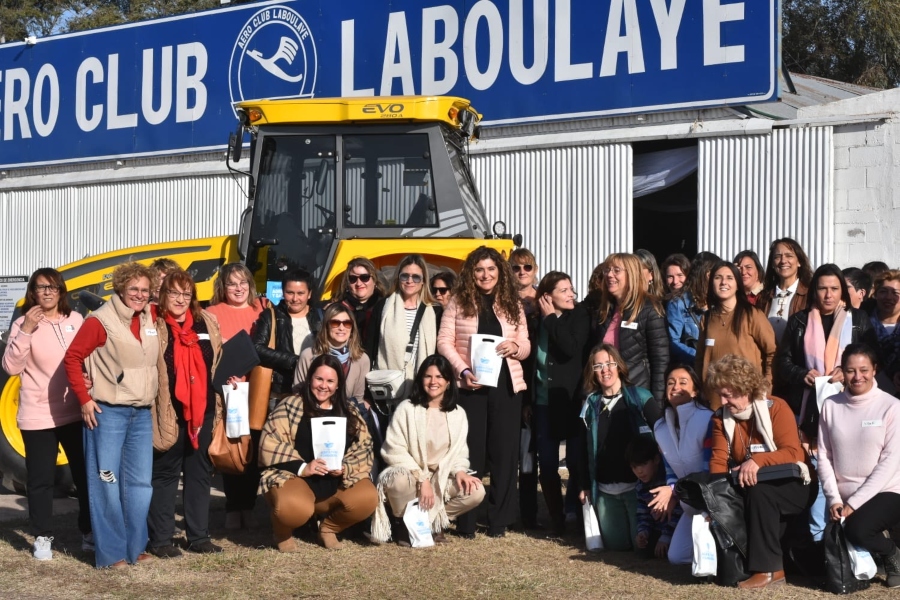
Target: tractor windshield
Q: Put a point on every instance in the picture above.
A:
(294, 208)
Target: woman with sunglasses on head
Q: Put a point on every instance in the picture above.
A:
(48, 414)
(408, 305)
(184, 415)
(118, 348)
(486, 302)
(236, 307)
(788, 274)
(733, 326)
(614, 413)
(360, 291)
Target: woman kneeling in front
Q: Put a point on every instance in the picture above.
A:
(427, 456)
(296, 484)
(750, 432)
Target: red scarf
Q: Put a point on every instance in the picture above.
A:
(190, 374)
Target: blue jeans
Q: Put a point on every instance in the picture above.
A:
(118, 456)
(818, 511)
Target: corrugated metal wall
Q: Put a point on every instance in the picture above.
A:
(573, 206)
(55, 226)
(755, 189)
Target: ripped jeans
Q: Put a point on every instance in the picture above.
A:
(118, 455)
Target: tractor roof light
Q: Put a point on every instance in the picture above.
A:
(254, 114)
(499, 229)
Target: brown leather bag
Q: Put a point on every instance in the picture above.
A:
(261, 386)
(229, 455)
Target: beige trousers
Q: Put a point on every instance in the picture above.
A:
(403, 489)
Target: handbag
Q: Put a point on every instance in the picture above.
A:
(387, 384)
(261, 386)
(839, 577)
(229, 455)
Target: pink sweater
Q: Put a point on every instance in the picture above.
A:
(859, 447)
(45, 400)
(456, 330)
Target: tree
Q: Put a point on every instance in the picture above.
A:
(857, 41)
(21, 18)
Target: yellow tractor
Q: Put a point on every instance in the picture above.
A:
(330, 179)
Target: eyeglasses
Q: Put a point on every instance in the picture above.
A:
(440, 291)
(613, 270)
(526, 268)
(345, 323)
(601, 366)
(174, 295)
(415, 277)
(365, 278)
(240, 284)
(133, 291)
(53, 289)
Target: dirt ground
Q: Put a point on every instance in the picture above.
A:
(521, 565)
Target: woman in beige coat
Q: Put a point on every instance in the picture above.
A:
(485, 301)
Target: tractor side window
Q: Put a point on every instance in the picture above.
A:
(388, 181)
(294, 209)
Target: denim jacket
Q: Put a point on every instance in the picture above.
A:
(683, 319)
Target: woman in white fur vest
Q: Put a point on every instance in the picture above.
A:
(427, 457)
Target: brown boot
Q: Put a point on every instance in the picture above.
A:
(759, 581)
(288, 545)
(328, 535)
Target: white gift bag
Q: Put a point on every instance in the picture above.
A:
(486, 363)
(237, 409)
(526, 457)
(593, 541)
(418, 523)
(329, 436)
(861, 561)
(705, 563)
(826, 390)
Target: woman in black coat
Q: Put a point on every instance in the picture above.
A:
(560, 340)
(633, 322)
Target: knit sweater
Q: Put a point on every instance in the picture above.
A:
(45, 399)
(859, 447)
(355, 382)
(232, 319)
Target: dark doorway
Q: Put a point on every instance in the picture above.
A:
(665, 221)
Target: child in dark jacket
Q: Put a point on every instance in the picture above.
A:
(654, 534)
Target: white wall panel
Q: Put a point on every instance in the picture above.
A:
(55, 226)
(573, 206)
(755, 189)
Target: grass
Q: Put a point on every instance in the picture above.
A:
(517, 566)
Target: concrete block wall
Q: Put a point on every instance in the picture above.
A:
(867, 193)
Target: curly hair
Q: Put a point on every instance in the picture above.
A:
(634, 297)
(128, 272)
(322, 344)
(54, 277)
(587, 375)
(225, 272)
(371, 269)
(418, 260)
(698, 278)
(738, 375)
(506, 297)
(184, 281)
(804, 273)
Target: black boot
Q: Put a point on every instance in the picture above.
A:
(892, 568)
(554, 499)
(399, 532)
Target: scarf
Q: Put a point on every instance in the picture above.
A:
(824, 354)
(888, 343)
(343, 355)
(190, 374)
(760, 412)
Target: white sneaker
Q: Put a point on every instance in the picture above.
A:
(87, 542)
(42, 549)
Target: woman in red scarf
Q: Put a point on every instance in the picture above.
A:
(190, 346)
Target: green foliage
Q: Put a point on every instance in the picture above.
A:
(21, 18)
(856, 41)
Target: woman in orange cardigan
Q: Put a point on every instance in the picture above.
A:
(485, 301)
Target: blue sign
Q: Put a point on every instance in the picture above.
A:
(168, 86)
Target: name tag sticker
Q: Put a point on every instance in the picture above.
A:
(874, 423)
(710, 342)
(644, 429)
(203, 336)
(757, 448)
(150, 332)
(632, 325)
(70, 328)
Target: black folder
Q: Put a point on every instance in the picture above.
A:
(238, 359)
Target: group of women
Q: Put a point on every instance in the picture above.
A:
(649, 353)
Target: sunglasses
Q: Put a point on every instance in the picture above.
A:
(365, 278)
(345, 323)
(526, 268)
(415, 277)
(439, 291)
